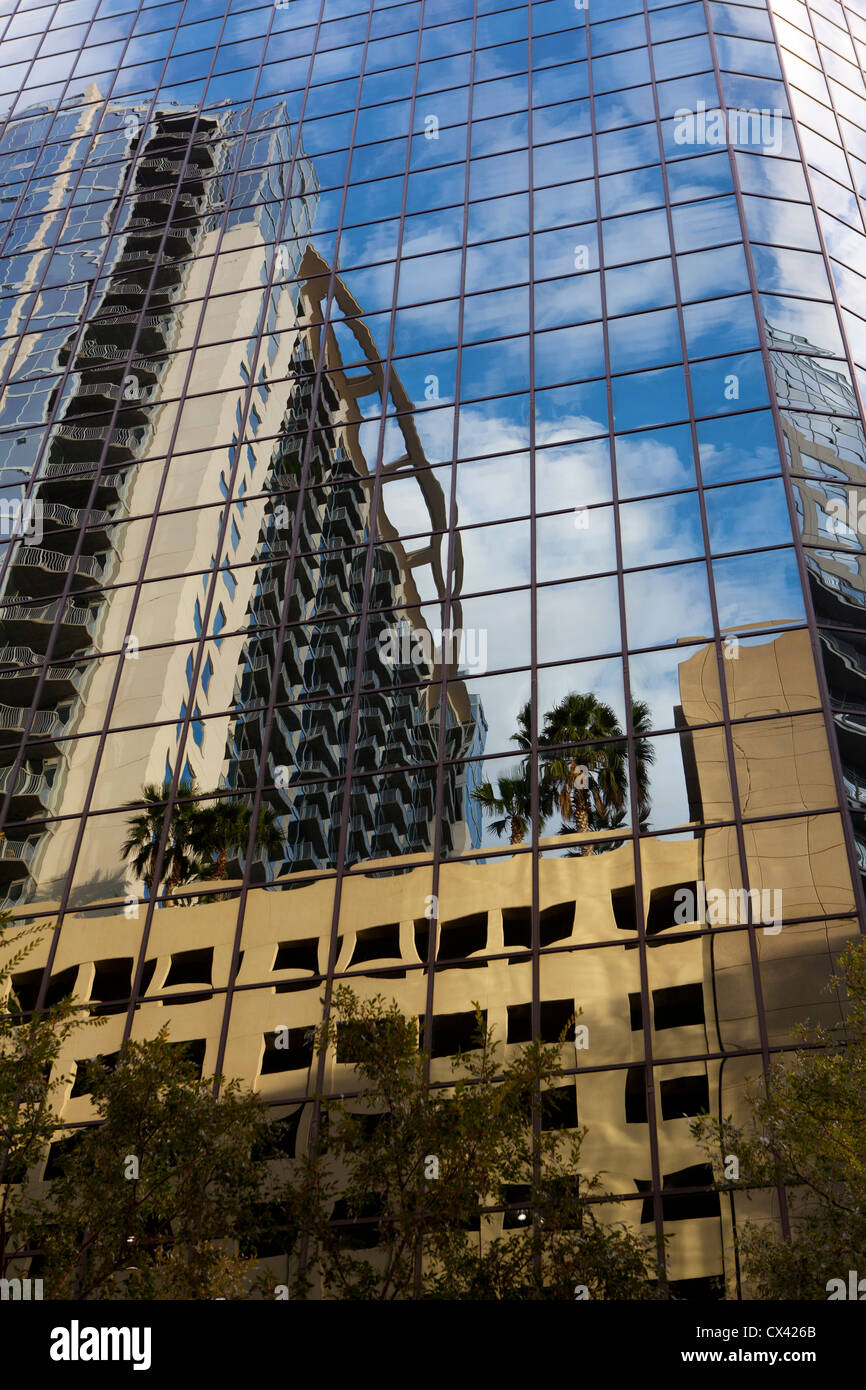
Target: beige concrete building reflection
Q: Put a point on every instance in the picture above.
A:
(174, 529)
(716, 988)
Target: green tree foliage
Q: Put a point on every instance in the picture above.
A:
(151, 1199)
(395, 1198)
(807, 1131)
(29, 1047)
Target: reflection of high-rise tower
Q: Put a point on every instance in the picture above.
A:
(826, 450)
(32, 571)
(114, 371)
(313, 669)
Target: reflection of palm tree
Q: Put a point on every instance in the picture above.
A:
(225, 828)
(200, 838)
(583, 770)
(511, 803)
(589, 784)
(644, 756)
(523, 737)
(181, 859)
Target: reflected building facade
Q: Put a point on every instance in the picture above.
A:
(421, 432)
(308, 669)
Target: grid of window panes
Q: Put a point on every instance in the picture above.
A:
(330, 329)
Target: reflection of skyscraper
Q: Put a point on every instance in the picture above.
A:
(105, 419)
(826, 446)
(313, 674)
(118, 368)
(115, 411)
(32, 571)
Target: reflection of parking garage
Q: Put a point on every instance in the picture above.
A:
(711, 995)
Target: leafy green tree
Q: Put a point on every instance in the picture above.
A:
(807, 1131)
(151, 1200)
(398, 1196)
(29, 1048)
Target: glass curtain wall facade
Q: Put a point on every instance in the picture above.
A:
(432, 437)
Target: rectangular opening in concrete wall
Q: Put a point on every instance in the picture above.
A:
(453, 1033)
(664, 905)
(112, 982)
(286, 1049)
(556, 1020)
(191, 968)
(635, 1011)
(556, 923)
(192, 1050)
(27, 982)
(377, 943)
(559, 1107)
(683, 1206)
(635, 1096)
(517, 926)
(678, 1006)
(460, 938)
(81, 1085)
(60, 1151)
(624, 905)
(298, 955)
(684, 1095)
